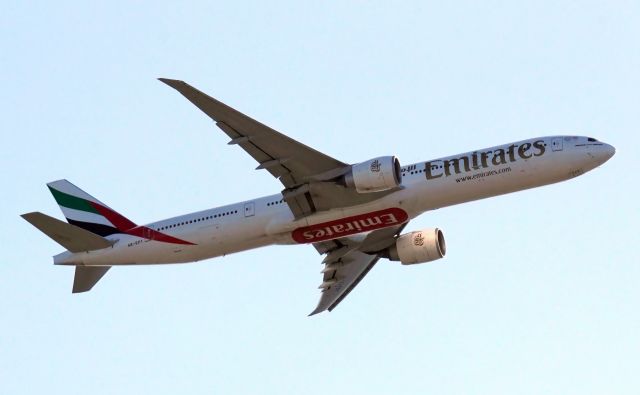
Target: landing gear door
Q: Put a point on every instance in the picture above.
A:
(556, 144)
(249, 209)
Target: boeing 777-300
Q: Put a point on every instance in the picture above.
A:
(353, 214)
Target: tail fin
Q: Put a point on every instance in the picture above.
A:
(69, 236)
(87, 212)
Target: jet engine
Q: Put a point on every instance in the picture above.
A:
(417, 247)
(375, 175)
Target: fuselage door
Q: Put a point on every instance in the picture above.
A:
(249, 209)
(556, 144)
(147, 233)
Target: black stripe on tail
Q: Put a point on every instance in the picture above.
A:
(99, 229)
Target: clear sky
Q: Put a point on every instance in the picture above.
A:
(538, 293)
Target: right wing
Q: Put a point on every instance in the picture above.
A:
(348, 260)
(337, 283)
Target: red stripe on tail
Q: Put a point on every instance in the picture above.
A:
(124, 225)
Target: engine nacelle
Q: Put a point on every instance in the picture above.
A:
(417, 247)
(375, 175)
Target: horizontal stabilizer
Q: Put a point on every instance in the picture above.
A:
(87, 276)
(71, 237)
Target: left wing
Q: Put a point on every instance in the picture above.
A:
(348, 260)
(304, 172)
(292, 162)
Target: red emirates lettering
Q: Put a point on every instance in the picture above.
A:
(350, 225)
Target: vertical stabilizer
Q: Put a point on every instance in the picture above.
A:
(85, 211)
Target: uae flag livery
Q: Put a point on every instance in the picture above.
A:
(86, 212)
(350, 225)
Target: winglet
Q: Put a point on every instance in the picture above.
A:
(170, 82)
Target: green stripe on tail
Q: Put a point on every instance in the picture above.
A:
(73, 202)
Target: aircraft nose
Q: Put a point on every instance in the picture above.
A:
(609, 151)
(603, 153)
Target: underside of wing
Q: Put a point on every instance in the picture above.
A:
(308, 175)
(287, 159)
(344, 275)
(347, 261)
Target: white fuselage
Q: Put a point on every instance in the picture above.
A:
(425, 186)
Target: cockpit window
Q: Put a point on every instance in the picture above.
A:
(591, 139)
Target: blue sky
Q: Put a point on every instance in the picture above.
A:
(539, 290)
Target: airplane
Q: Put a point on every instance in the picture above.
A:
(353, 214)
